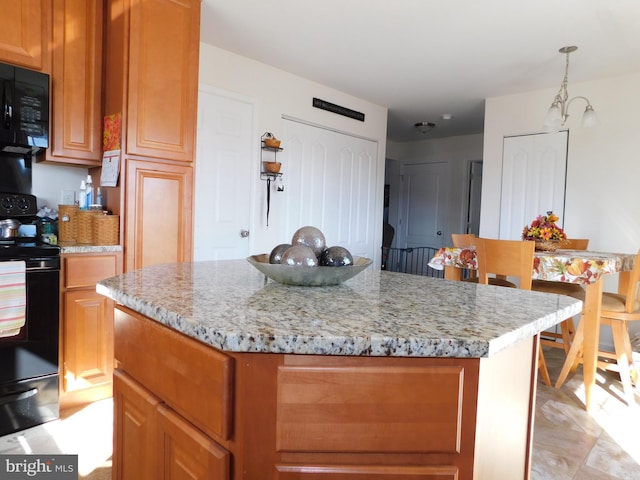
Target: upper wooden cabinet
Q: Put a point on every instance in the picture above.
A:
(76, 82)
(163, 78)
(24, 36)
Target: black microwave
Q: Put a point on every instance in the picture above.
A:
(24, 118)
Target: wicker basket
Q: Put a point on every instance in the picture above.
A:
(106, 230)
(85, 225)
(548, 245)
(67, 223)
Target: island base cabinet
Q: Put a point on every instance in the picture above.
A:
(134, 434)
(317, 417)
(154, 443)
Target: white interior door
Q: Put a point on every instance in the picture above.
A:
(331, 183)
(223, 172)
(534, 170)
(424, 205)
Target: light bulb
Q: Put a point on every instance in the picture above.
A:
(554, 116)
(589, 117)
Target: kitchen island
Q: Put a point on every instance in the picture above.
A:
(222, 374)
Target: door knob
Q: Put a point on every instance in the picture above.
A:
(244, 233)
(439, 232)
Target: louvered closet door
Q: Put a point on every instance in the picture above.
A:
(534, 170)
(330, 181)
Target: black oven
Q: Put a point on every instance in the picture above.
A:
(29, 372)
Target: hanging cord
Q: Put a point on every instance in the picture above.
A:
(268, 198)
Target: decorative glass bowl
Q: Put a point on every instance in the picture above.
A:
(308, 276)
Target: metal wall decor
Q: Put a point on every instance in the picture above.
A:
(270, 166)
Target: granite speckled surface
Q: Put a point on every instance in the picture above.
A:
(231, 306)
(79, 248)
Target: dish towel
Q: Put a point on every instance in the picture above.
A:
(13, 298)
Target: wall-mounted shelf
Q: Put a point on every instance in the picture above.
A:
(264, 174)
(269, 166)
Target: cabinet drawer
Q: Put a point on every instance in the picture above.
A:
(85, 271)
(193, 379)
(365, 472)
(370, 409)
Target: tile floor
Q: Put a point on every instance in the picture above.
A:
(86, 432)
(569, 443)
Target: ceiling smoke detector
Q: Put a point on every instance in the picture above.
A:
(424, 127)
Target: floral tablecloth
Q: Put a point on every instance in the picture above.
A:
(568, 266)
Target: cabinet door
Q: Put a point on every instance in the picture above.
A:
(76, 81)
(159, 215)
(24, 33)
(135, 454)
(187, 453)
(87, 340)
(163, 78)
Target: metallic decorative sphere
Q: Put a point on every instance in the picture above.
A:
(336, 257)
(312, 237)
(299, 255)
(276, 253)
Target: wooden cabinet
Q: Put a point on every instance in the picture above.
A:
(24, 36)
(151, 78)
(163, 78)
(76, 83)
(134, 433)
(313, 417)
(86, 328)
(158, 212)
(172, 405)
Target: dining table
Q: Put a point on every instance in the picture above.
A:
(583, 267)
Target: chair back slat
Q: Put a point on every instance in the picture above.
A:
(513, 258)
(576, 243)
(463, 240)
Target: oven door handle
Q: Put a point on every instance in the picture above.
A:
(14, 397)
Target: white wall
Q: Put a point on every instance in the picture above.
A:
(279, 93)
(49, 180)
(603, 169)
(603, 172)
(457, 152)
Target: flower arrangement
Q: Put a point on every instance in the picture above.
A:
(544, 229)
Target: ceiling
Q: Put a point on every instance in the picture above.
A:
(425, 58)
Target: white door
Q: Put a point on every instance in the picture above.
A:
(331, 183)
(534, 169)
(223, 176)
(424, 205)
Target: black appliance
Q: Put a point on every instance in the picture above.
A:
(24, 110)
(29, 373)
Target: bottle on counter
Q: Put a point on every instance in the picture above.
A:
(89, 193)
(83, 195)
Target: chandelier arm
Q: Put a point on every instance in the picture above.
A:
(575, 98)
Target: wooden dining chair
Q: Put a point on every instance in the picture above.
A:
(512, 258)
(567, 327)
(618, 309)
(465, 240)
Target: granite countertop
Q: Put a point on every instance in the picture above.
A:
(231, 306)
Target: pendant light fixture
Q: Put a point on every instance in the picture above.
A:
(424, 127)
(558, 113)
